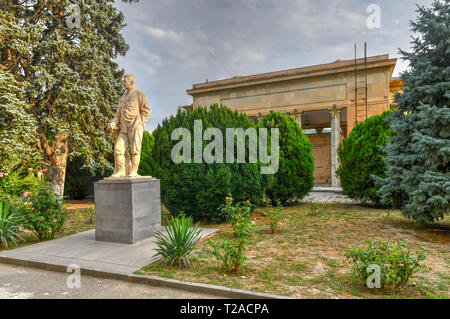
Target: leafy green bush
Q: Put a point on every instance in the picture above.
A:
(397, 263)
(231, 252)
(42, 211)
(77, 180)
(176, 245)
(80, 177)
(90, 212)
(146, 166)
(35, 203)
(9, 224)
(313, 208)
(199, 189)
(14, 184)
(238, 216)
(361, 157)
(274, 215)
(294, 178)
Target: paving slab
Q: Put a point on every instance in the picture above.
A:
(82, 250)
(327, 197)
(327, 189)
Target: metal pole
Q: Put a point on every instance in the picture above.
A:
(356, 92)
(365, 66)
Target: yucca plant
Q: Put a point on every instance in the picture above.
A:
(9, 225)
(177, 243)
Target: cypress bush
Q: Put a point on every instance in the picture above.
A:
(361, 157)
(199, 189)
(294, 178)
(146, 166)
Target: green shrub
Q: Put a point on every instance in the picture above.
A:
(91, 215)
(80, 177)
(313, 208)
(79, 219)
(361, 157)
(230, 253)
(274, 215)
(9, 225)
(397, 263)
(14, 184)
(42, 211)
(176, 245)
(238, 216)
(294, 178)
(199, 189)
(146, 166)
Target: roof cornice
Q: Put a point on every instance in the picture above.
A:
(294, 74)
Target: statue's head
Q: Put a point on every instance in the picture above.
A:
(129, 81)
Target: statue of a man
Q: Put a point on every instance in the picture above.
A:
(128, 124)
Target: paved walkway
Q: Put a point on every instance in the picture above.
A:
(82, 250)
(18, 282)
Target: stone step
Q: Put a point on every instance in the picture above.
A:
(327, 189)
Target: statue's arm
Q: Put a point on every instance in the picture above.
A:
(115, 123)
(144, 108)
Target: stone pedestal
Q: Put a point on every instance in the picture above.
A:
(127, 210)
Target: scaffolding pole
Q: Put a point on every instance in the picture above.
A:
(365, 67)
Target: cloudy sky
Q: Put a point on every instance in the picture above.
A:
(176, 43)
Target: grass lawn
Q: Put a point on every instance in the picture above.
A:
(305, 258)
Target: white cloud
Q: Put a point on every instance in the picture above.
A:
(148, 68)
(151, 58)
(175, 43)
(247, 55)
(164, 34)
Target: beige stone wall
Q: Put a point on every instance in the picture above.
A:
(308, 89)
(395, 86)
(308, 94)
(322, 157)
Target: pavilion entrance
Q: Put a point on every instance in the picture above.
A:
(322, 127)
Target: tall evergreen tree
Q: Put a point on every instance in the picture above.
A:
(360, 158)
(417, 160)
(66, 70)
(17, 127)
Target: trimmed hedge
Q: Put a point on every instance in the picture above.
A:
(294, 178)
(199, 190)
(146, 166)
(360, 157)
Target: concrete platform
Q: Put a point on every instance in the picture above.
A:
(324, 197)
(82, 250)
(327, 189)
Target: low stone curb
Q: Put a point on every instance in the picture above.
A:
(323, 189)
(150, 280)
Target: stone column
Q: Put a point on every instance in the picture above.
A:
(335, 141)
(298, 118)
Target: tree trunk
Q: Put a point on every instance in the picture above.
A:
(58, 164)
